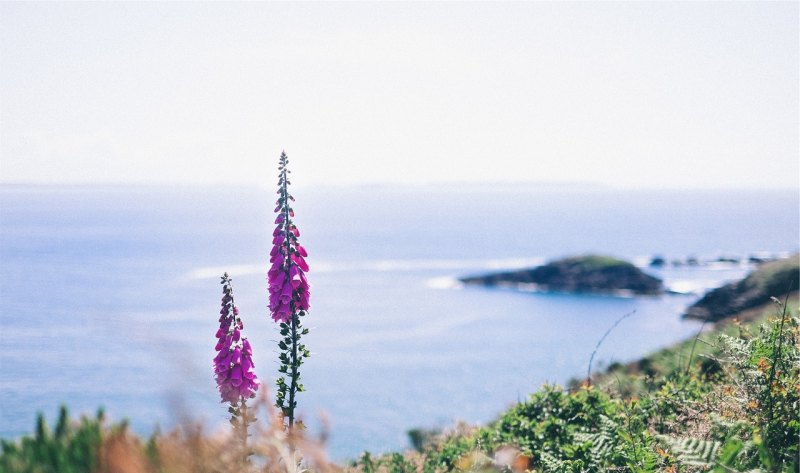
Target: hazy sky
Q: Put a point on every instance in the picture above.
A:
(627, 94)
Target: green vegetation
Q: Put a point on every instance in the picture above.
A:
(726, 404)
(595, 262)
(72, 447)
(725, 401)
(89, 445)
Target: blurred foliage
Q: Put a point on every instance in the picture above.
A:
(90, 446)
(71, 447)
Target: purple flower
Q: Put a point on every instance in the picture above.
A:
(288, 296)
(233, 365)
(288, 286)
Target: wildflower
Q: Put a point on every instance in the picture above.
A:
(288, 285)
(288, 294)
(233, 364)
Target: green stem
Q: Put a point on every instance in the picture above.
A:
(244, 425)
(293, 386)
(691, 353)
(293, 359)
(776, 358)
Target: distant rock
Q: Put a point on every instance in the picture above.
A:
(772, 279)
(582, 274)
(757, 259)
(728, 260)
(658, 262)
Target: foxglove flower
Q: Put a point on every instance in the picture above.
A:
(233, 365)
(288, 294)
(288, 285)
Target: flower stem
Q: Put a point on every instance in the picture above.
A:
(293, 386)
(288, 248)
(244, 424)
(287, 277)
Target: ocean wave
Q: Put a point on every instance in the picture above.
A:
(693, 286)
(444, 283)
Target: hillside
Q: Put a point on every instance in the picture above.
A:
(773, 279)
(698, 354)
(725, 401)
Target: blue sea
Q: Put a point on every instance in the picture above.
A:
(111, 295)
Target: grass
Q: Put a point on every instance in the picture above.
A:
(699, 354)
(597, 262)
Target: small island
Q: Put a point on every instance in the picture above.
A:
(589, 274)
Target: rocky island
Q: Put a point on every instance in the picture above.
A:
(773, 279)
(590, 274)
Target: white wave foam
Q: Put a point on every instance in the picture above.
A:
(444, 283)
(724, 265)
(694, 286)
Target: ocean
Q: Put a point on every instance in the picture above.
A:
(111, 295)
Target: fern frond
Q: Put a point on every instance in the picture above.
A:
(692, 451)
(602, 443)
(551, 464)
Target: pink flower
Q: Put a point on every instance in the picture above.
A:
(288, 295)
(233, 365)
(288, 285)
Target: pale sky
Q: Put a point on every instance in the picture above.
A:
(623, 94)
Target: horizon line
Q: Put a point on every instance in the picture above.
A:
(548, 185)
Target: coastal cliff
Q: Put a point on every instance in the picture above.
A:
(773, 279)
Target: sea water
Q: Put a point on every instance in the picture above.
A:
(111, 295)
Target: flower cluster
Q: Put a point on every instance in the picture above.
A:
(288, 303)
(288, 295)
(233, 365)
(288, 286)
